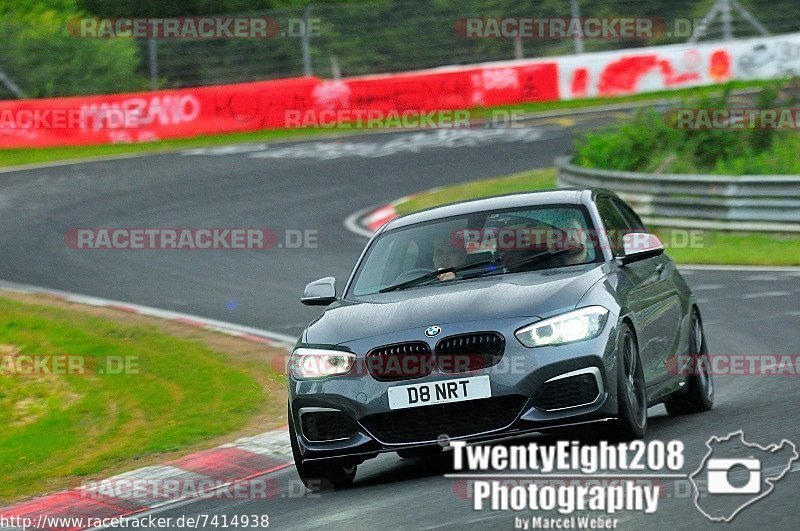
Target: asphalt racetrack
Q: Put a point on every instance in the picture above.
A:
(315, 185)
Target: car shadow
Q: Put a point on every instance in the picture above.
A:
(401, 470)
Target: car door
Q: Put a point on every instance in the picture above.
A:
(644, 292)
(670, 313)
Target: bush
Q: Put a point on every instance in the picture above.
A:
(630, 147)
(42, 57)
(651, 142)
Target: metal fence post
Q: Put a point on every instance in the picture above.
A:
(749, 18)
(305, 42)
(13, 87)
(727, 20)
(336, 73)
(153, 59)
(518, 51)
(576, 14)
(722, 8)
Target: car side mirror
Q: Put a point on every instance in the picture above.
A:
(640, 246)
(321, 292)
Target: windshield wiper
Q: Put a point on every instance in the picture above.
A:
(522, 263)
(433, 274)
(516, 268)
(485, 272)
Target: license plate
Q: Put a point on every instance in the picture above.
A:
(445, 391)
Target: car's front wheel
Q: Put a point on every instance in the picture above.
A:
(330, 474)
(698, 394)
(631, 422)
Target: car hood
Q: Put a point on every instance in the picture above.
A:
(536, 294)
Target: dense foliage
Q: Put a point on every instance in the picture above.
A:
(355, 37)
(652, 142)
(41, 56)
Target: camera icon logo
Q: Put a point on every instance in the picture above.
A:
(735, 474)
(721, 472)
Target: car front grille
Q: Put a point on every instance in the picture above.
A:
(573, 391)
(321, 426)
(456, 419)
(401, 361)
(469, 352)
(453, 354)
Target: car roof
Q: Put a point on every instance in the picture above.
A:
(569, 196)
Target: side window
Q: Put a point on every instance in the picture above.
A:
(615, 224)
(633, 220)
(374, 278)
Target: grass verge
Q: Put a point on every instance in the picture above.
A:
(709, 247)
(518, 182)
(119, 391)
(16, 157)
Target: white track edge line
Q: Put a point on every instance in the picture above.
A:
(276, 337)
(70, 162)
(352, 222)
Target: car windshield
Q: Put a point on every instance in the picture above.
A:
(473, 245)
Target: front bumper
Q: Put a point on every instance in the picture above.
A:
(517, 383)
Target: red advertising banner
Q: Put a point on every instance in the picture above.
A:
(313, 102)
(295, 102)
(149, 116)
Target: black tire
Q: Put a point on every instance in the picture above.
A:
(698, 393)
(425, 452)
(631, 421)
(330, 474)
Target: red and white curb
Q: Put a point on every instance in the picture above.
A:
(365, 222)
(377, 218)
(225, 472)
(228, 471)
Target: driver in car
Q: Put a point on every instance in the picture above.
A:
(543, 239)
(447, 255)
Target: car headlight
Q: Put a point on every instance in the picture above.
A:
(312, 363)
(577, 325)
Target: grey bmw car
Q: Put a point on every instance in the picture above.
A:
(492, 318)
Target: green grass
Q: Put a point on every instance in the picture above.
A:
(57, 428)
(710, 247)
(518, 182)
(15, 157)
(737, 248)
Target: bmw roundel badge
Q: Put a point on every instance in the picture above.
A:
(432, 331)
